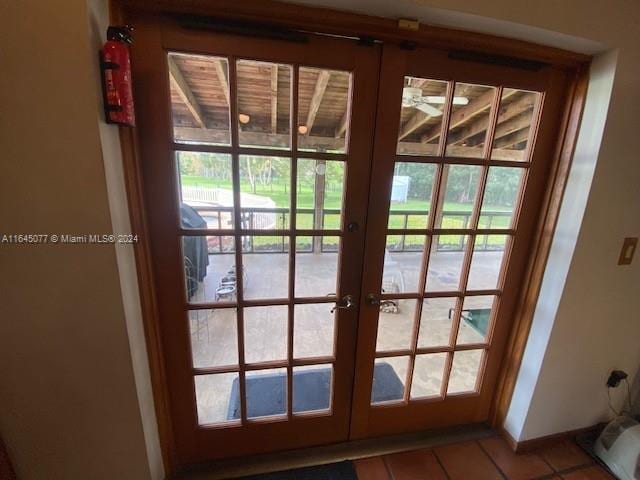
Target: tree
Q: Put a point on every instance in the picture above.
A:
(421, 178)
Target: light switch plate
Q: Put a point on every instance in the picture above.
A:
(628, 249)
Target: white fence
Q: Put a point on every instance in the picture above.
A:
(251, 205)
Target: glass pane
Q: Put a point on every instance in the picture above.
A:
(264, 92)
(206, 190)
(475, 320)
(266, 392)
(464, 371)
(500, 197)
(428, 372)
(445, 263)
(486, 262)
(323, 104)
(215, 396)
(423, 102)
(312, 386)
(435, 322)
(513, 130)
(402, 263)
(265, 333)
(313, 331)
(265, 192)
(411, 195)
(214, 337)
(395, 325)
(265, 263)
(469, 122)
(389, 379)
(209, 268)
(459, 195)
(319, 194)
(199, 87)
(316, 266)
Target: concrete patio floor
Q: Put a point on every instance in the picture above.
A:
(214, 332)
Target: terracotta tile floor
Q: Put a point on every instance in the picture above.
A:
(485, 459)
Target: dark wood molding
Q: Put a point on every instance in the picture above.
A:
(324, 20)
(540, 252)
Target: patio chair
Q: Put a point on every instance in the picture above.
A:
(226, 292)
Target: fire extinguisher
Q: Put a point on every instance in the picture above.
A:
(116, 76)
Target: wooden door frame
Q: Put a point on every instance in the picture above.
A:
(343, 23)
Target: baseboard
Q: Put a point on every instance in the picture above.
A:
(525, 446)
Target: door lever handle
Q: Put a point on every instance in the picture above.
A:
(345, 303)
(374, 300)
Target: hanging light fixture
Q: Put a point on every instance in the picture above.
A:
(243, 118)
(302, 129)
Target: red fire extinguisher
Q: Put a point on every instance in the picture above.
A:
(116, 76)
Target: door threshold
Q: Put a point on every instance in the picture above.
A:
(321, 455)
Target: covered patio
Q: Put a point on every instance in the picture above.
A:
(214, 338)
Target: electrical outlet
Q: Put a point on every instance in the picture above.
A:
(628, 249)
(615, 377)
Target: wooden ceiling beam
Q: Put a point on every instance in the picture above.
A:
(274, 98)
(417, 82)
(462, 115)
(506, 113)
(318, 93)
(328, 143)
(514, 138)
(413, 123)
(515, 124)
(280, 140)
(179, 83)
(342, 126)
(222, 78)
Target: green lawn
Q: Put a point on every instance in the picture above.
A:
(279, 192)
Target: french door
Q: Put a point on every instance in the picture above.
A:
(256, 155)
(337, 231)
(462, 153)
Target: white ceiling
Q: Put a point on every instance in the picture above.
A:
(454, 19)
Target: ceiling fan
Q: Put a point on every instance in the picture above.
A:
(412, 97)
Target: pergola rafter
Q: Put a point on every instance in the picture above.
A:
(460, 116)
(513, 113)
(318, 93)
(181, 86)
(200, 94)
(274, 98)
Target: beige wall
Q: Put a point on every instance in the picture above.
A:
(69, 407)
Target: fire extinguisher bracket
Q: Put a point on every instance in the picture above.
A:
(115, 68)
(108, 65)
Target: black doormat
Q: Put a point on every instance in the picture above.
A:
(333, 471)
(267, 394)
